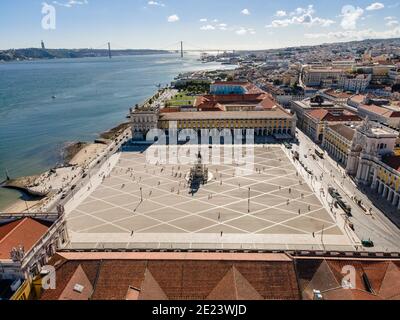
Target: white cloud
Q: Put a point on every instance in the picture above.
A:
(173, 18)
(71, 3)
(246, 12)
(356, 34)
(207, 27)
(281, 13)
(218, 26)
(392, 23)
(301, 16)
(223, 26)
(243, 31)
(390, 18)
(203, 20)
(156, 3)
(350, 16)
(375, 6)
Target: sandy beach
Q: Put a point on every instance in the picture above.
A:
(87, 154)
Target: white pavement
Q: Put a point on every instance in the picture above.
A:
(149, 206)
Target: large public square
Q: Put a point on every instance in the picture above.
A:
(265, 204)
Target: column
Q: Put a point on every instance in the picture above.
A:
(395, 199)
(390, 195)
(385, 191)
(366, 172)
(381, 186)
(359, 171)
(374, 180)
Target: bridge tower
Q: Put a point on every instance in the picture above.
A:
(181, 49)
(109, 50)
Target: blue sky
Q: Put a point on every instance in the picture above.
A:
(222, 24)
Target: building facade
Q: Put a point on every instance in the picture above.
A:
(315, 77)
(372, 161)
(142, 121)
(316, 121)
(368, 152)
(383, 114)
(355, 83)
(337, 142)
(264, 123)
(255, 110)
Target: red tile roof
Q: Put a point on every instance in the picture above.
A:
(220, 276)
(218, 101)
(381, 111)
(26, 232)
(183, 279)
(326, 276)
(333, 115)
(78, 278)
(338, 94)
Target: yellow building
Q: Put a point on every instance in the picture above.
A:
(368, 153)
(264, 123)
(337, 141)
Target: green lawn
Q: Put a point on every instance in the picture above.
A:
(182, 99)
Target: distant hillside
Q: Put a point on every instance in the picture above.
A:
(342, 46)
(33, 53)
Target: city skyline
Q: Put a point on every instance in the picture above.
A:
(242, 25)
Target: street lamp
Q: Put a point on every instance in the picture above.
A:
(248, 202)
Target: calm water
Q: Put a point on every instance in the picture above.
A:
(93, 95)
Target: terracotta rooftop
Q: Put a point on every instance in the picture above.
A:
(374, 280)
(343, 130)
(26, 232)
(218, 276)
(381, 111)
(333, 115)
(263, 99)
(268, 277)
(338, 94)
(277, 113)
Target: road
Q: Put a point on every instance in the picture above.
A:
(375, 225)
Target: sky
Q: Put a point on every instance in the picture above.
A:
(201, 24)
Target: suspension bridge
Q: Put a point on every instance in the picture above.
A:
(179, 47)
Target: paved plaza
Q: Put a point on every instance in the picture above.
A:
(143, 205)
